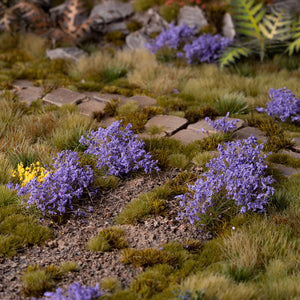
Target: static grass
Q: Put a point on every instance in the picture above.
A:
(108, 239)
(155, 201)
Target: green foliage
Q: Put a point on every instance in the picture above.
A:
(295, 45)
(231, 54)
(5, 169)
(169, 13)
(143, 5)
(7, 196)
(285, 159)
(108, 239)
(117, 38)
(134, 25)
(234, 103)
(179, 161)
(36, 280)
(147, 257)
(110, 284)
(211, 253)
(195, 115)
(202, 158)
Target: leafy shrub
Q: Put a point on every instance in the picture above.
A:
(55, 192)
(283, 105)
(239, 171)
(118, 151)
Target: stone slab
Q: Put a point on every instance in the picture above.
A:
(296, 140)
(171, 124)
(107, 122)
(143, 101)
(246, 132)
(22, 84)
(286, 171)
(88, 107)
(290, 153)
(188, 135)
(30, 94)
(208, 129)
(108, 97)
(63, 96)
(136, 40)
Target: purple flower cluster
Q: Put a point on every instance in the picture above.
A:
(239, 171)
(173, 37)
(75, 292)
(117, 150)
(66, 181)
(206, 48)
(222, 124)
(283, 104)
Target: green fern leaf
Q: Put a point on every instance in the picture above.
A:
(294, 46)
(276, 26)
(247, 16)
(232, 54)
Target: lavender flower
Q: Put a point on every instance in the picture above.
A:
(75, 292)
(239, 171)
(173, 37)
(206, 48)
(283, 105)
(66, 181)
(118, 151)
(222, 124)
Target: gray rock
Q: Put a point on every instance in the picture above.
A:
(286, 171)
(188, 135)
(171, 124)
(89, 107)
(22, 84)
(193, 17)
(296, 146)
(290, 153)
(72, 53)
(118, 26)
(63, 96)
(228, 27)
(289, 6)
(246, 132)
(203, 127)
(136, 40)
(143, 100)
(30, 94)
(153, 23)
(112, 11)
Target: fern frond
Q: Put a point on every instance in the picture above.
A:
(247, 17)
(232, 54)
(295, 45)
(276, 26)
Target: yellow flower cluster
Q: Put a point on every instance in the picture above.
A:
(31, 172)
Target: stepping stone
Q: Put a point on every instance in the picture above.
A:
(107, 97)
(30, 94)
(188, 135)
(171, 124)
(22, 84)
(296, 140)
(63, 96)
(144, 101)
(290, 153)
(88, 107)
(203, 127)
(246, 132)
(208, 129)
(286, 171)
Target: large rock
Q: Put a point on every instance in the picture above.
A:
(285, 171)
(152, 22)
(192, 16)
(112, 11)
(90, 106)
(188, 135)
(72, 53)
(289, 6)
(170, 124)
(144, 101)
(136, 40)
(296, 142)
(246, 132)
(56, 13)
(30, 94)
(228, 27)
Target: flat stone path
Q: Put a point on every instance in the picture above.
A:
(171, 126)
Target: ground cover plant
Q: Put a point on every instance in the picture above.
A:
(247, 213)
